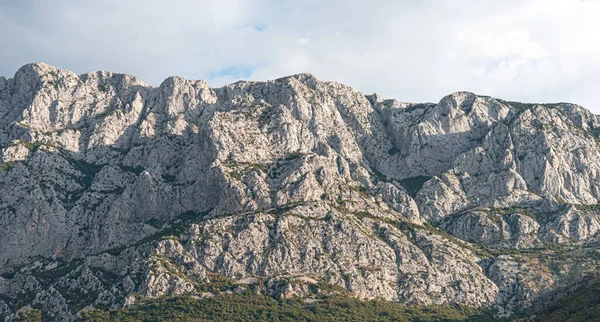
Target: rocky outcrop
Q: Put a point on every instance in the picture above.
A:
(113, 190)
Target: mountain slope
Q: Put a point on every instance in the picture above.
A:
(112, 190)
(581, 305)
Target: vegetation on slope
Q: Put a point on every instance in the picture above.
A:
(252, 307)
(583, 305)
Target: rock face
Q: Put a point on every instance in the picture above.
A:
(112, 190)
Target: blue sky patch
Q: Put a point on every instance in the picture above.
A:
(234, 71)
(259, 28)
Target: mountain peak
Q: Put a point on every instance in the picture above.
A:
(34, 71)
(172, 190)
(38, 66)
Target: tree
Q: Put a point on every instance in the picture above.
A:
(29, 315)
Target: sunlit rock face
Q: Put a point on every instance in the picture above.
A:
(112, 190)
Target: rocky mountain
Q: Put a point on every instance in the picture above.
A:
(112, 191)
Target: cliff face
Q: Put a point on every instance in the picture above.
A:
(112, 190)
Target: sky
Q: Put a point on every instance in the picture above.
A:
(412, 50)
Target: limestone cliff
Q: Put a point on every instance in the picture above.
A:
(112, 190)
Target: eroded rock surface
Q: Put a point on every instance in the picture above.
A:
(112, 190)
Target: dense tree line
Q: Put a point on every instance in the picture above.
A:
(251, 307)
(582, 305)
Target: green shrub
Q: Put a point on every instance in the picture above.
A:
(29, 315)
(252, 307)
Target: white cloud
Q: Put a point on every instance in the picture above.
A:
(530, 50)
(302, 41)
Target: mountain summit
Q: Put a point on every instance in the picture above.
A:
(113, 191)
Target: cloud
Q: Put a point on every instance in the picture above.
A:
(302, 41)
(530, 50)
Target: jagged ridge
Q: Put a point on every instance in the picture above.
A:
(290, 183)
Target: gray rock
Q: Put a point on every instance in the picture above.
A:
(112, 190)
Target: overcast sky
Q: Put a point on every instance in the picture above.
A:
(414, 50)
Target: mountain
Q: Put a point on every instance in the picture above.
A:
(113, 192)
